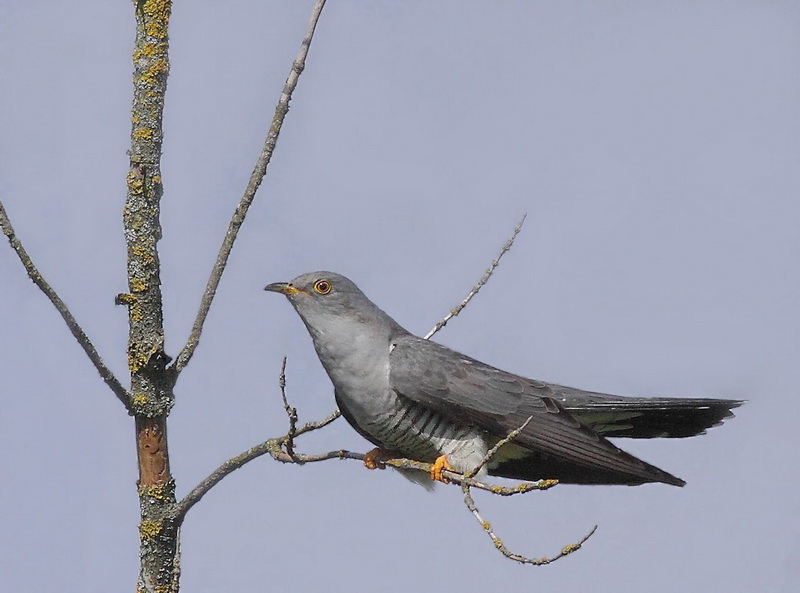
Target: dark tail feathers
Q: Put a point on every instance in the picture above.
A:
(645, 418)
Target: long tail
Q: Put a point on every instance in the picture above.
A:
(646, 418)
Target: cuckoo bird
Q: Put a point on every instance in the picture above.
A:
(418, 399)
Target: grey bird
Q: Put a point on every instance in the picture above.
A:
(417, 399)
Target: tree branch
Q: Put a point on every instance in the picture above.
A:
(498, 543)
(256, 177)
(290, 411)
(282, 449)
(484, 279)
(272, 446)
(61, 307)
(487, 527)
(276, 447)
(493, 451)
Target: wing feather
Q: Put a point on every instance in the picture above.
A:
(468, 391)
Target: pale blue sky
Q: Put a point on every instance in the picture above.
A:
(655, 148)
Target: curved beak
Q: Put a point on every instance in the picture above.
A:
(282, 287)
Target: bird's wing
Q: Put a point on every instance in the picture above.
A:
(470, 392)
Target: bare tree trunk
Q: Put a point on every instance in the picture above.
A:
(151, 382)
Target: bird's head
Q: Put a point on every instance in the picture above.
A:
(328, 302)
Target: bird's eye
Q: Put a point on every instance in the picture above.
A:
(322, 286)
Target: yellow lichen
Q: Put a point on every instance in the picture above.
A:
(142, 133)
(157, 13)
(139, 400)
(137, 357)
(135, 183)
(149, 529)
(148, 50)
(149, 76)
(138, 285)
(154, 491)
(134, 310)
(143, 253)
(126, 299)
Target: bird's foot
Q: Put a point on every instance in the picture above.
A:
(376, 459)
(441, 464)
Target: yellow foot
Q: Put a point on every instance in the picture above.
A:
(439, 466)
(376, 459)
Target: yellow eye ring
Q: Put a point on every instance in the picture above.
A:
(322, 286)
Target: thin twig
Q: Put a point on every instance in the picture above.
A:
(309, 426)
(290, 411)
(276, 447)
(498, 543)
(487, 527)
(493, 451)
(259, 171)
(231, 465)
(61, 307)
(401, 463)
(273, 446)
(484, 279)
(460, 479)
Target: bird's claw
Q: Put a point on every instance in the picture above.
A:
(441, 464)
(376, 459)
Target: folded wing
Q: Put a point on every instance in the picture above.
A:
(561, 446)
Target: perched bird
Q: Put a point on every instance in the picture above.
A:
(418, 399)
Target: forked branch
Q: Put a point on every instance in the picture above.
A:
(61, 307)
(487, 527)
(501, 547)
(275, 447)
(283, 449)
